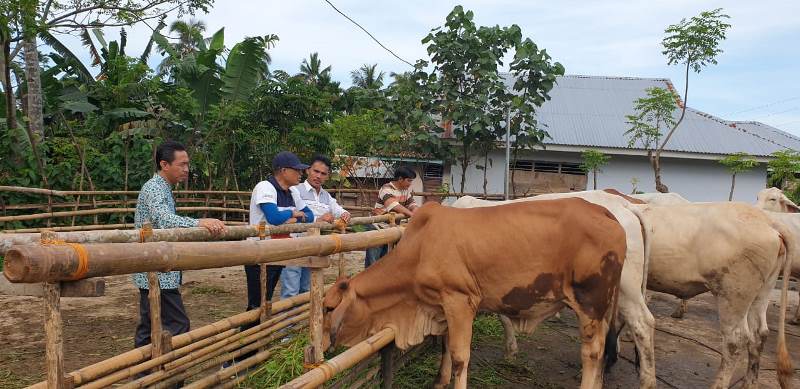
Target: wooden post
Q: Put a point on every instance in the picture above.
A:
(154, 297)
(314, 354)
(53, 327)
(266, 304)
(392, 223)
(342, 229)
(387, 366)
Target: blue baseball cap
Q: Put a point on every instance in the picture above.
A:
(287, 159)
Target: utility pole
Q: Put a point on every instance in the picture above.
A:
(508, 153)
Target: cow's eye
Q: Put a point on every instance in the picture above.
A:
(328, 309)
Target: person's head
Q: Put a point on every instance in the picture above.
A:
(172, 162)
(287, 168)
(319, 171)
(403, 176)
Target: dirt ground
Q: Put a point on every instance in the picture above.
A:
(98, 328)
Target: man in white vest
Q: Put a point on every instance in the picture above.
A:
(296, 280)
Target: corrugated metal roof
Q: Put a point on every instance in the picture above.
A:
(590, 111)
(768, 133)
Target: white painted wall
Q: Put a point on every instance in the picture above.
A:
(696, 180)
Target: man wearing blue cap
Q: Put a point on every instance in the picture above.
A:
(276, 201)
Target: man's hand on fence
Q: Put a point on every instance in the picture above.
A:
(214, 226)
(328, 218)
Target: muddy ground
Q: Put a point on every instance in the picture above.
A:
(98, 328)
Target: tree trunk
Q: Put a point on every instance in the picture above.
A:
(464, 163)
(733, 184)
(33, 79)
(485, 169)
(11, 104)
(656, 163)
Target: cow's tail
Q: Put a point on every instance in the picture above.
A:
(645, 224)
(611, 352)
(785, 369)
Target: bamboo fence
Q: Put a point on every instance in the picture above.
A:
(57, 263)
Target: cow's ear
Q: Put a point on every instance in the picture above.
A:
(790, 205)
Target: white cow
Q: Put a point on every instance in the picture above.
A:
(632, 307)
(787, 212)
(658, 198)
(736, 252)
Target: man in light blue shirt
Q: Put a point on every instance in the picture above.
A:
(295, 279)
(156, 205)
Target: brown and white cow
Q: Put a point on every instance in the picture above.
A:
(787, 212)
(526, 260)
(633, 310)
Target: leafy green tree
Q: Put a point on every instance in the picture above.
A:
(783, 166)
(469, 91)
(652, 113)
(693, 43)
(593, 161)
(738, 163)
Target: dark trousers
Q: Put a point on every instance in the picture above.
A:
(173, 315)
(253, 273)
(373, 254)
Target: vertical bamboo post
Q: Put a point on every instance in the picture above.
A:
(392, 223)
(341, 226)
(154, 297)
(266, 304)
(53, 327)
(314, 354)
(50, 207)
(387, 366)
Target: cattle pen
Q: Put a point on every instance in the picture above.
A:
(69, 265)
(196, 357)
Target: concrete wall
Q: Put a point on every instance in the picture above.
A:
(696, 180)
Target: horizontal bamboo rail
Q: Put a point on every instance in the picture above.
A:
(343, 361)
(129, 358)
(68, 193)
(85, 228)
(195, 234)
(67, 262)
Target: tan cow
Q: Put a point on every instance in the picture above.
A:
(773, 199)
(733, 250)
(633, 309)
(670, 198)
(514, 259)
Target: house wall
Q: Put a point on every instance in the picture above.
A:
(696, 180)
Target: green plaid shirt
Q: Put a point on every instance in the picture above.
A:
(155, 204)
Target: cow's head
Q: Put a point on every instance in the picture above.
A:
(773, 199)
(345, 318)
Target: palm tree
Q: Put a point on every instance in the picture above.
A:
(366, 77)
(312, 70)
(190, 34)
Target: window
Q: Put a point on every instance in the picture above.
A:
(522, 165)
(548, 167)
(433, 172)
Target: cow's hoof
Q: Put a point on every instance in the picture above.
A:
(510, 356)
(678, 313)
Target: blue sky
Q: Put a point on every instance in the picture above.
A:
(756, 79)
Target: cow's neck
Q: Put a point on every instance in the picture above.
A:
(387, 283)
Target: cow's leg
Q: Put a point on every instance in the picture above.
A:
(735, 335)
(445, 366)
(635, 314)
(796, 319)
(593, 340)
(510, 337)
(757, 323)
(460, 315)
(681, 309)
